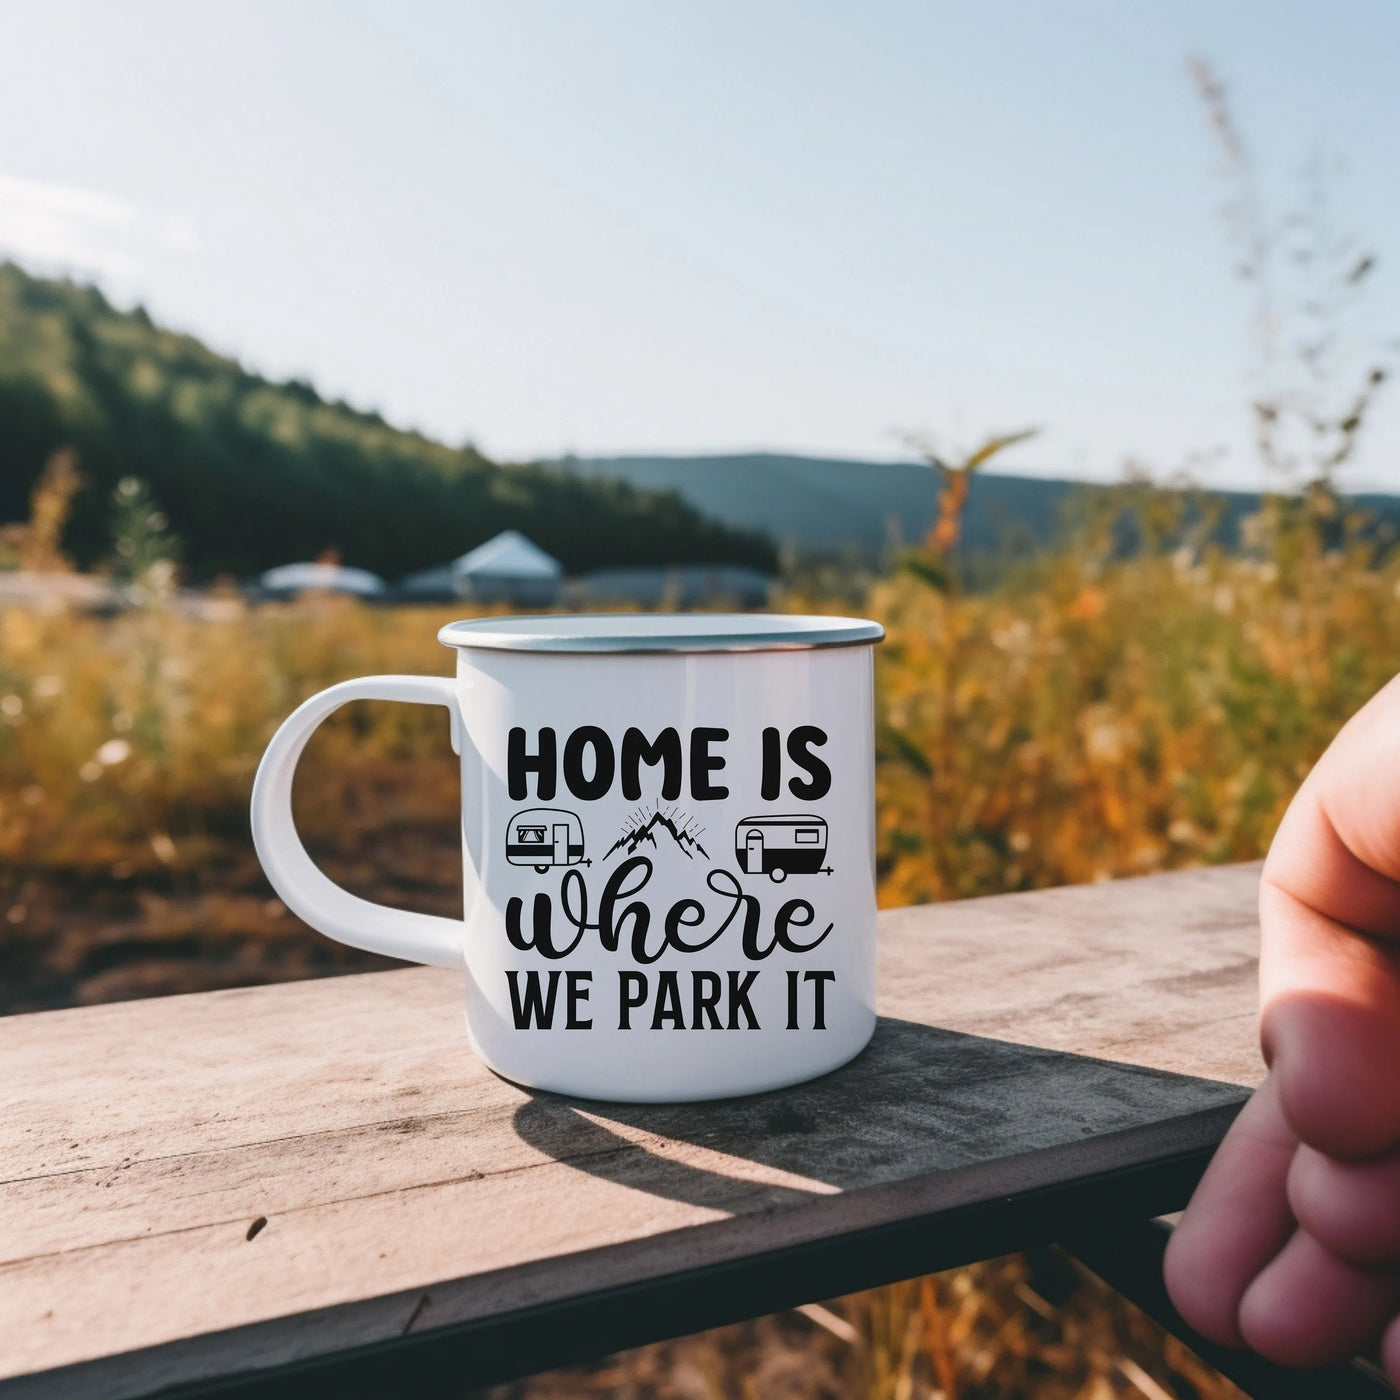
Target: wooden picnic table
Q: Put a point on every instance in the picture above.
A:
(315, 1188)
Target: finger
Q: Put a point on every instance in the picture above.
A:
(1351, 1208)
(1338, 848)
(1330, 915)
(1331, 1026)
(1309, 1308)
(1237, 1221)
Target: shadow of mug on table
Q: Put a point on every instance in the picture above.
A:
(919, 1100)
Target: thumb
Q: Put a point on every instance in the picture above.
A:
(1330, 958)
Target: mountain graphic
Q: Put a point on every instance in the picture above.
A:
(635, 835)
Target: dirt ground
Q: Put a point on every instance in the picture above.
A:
(137, 926)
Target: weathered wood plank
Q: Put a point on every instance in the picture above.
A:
(1159, 972)
(1026, 1042)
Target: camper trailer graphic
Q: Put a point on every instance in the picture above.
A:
(545, 837)
(781, 846)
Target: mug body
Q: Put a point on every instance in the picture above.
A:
(668, 849)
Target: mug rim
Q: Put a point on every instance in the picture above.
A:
(620, 633)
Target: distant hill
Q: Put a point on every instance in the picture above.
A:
(818, 505)
(254, 473)
(826, 504)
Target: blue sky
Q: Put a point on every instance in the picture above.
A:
(636, 225)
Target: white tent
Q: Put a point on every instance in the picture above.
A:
(291, 580)
(506, 569)
(508, 555)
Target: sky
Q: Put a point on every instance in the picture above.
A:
(545, 226)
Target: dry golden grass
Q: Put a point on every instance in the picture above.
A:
(127, 753)
(1089, 719)
(135, 740)
(1034, 1327)
(1100, 719)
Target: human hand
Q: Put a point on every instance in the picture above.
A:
(1291, 1243)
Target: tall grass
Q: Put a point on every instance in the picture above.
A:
(1099, 716)
(136, 739)
(1092, 717)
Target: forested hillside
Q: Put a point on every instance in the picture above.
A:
(253, 473)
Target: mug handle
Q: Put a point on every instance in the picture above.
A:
(397, 933)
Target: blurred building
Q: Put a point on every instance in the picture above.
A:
(506, 569)
(680, 586)
(292, 580)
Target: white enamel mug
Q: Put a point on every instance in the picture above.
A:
(668, 842)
